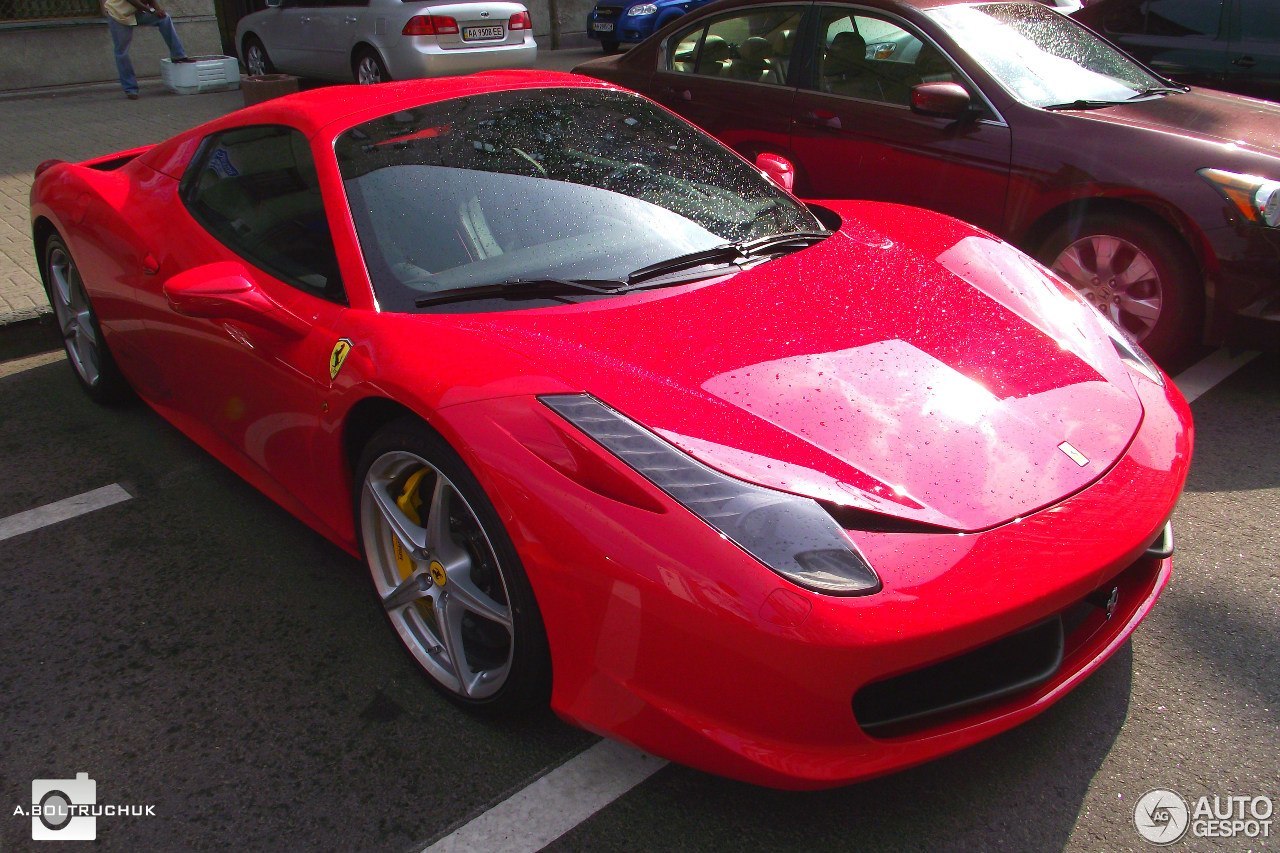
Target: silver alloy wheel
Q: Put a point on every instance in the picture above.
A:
(367, 70)
(438, 575)
(255, 59)
(75, 316)
(1117, 278)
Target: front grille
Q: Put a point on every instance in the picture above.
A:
(1015, 663)
(608, 12)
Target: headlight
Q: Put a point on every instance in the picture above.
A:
(642, 9)
(793, 536)
(1257, 199)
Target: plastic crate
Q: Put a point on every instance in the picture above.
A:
(206, 74)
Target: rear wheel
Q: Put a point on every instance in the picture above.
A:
(81, 335)
(447, 574)
(369, 68)
(1136, 272)
(256, 60)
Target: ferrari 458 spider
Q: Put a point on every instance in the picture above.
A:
(798, 494)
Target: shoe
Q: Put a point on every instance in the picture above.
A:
(133, 96)
(183, 59)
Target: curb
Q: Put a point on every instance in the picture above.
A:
(31, 336)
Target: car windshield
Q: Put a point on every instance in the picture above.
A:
(1044, 58)
(543, 185)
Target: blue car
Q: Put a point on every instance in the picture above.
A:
(612, 22)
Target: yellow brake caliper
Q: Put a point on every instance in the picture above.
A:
(410, 503)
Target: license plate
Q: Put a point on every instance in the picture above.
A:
(602, 28)
(483, 33)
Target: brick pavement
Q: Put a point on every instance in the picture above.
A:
(74, 124)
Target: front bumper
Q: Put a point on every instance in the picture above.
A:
(1245, 286)
(669, 638)
(413, 58)
(626, 29)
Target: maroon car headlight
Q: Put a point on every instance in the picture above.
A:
(1257, 199)
(792, 535)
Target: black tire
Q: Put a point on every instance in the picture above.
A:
(87, 352)
(527, 675)
(251, 44)
(366, 65)
(1177, 280)
(609, 47)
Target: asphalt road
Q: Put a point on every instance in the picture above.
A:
(196, 649)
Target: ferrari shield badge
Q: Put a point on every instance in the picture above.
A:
(339, 355)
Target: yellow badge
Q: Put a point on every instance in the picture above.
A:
(339, 355)
(437, 572)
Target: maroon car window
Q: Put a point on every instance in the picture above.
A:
(866, 57)
(755, 46)
(1260, 20)
(569, 184)
(255, 190)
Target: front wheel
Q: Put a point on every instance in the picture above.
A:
(256, 60)
(82, 337)
(447, 574)
(369, 68)
(609, 46)
(1137, 273)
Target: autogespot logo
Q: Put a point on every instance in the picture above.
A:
(1161, 816)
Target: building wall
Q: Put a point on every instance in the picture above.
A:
(60, 53)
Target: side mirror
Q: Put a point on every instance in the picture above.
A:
(777, 169)
(273, 4)
(944, 100)
(224, 291)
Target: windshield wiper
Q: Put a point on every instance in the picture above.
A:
(1158, 90)
(726, 254)
(1081, 104)
(551, 287)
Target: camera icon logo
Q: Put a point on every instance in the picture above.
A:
(61, 809)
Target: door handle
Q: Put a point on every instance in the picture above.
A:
(821, 118)
(683, 94)
(305, 20)
(1244, 61)
(350, 19)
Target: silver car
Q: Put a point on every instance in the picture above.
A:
(382, 40)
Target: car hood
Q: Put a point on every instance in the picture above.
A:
(930, 378)
(1204, 114)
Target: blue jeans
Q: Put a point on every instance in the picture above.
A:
(122, 37)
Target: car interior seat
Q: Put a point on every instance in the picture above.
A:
(715, 56)
(755, 61)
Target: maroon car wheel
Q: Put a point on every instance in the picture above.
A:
(1137, 273)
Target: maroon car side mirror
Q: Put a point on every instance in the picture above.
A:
(224, 291)
(777, 169)
(944, 100)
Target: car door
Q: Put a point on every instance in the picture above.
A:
(1254, 55)
(732, 75)
(1182, 39)
(250, 196)
(285, 36)
(333, 32)
(856, 135)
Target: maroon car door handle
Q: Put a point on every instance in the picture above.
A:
(1244, 61)
(683, 94)
(821, 118)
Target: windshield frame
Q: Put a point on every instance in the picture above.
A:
(938, 15)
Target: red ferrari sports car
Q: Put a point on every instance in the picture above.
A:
(794, 493)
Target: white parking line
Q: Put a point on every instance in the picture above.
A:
(540, 813)
(1208, 372)
(43, 516)
(20, 365)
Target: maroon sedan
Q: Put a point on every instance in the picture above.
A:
(1159, 202)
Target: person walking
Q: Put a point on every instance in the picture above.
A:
(123, 17)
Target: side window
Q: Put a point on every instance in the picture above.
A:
(1260, 20)
(255, 189)
(755, 47)
(875, 60)
(1183, 17)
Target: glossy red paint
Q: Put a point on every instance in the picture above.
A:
(909, 366)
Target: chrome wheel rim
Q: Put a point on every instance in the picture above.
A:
(437, 575)
(256, 60)
(75, 316)
(367, 71)
(1117, 278)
